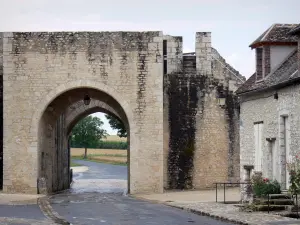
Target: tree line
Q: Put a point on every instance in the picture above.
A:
(88, 133)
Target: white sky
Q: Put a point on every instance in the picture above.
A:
(234, 23)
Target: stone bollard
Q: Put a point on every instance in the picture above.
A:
(247, 193)
(42, 186)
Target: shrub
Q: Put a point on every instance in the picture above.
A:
(294, 171)
(104, 145)
(263, 186)
(112, 145)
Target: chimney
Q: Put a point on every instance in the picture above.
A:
(203, 53)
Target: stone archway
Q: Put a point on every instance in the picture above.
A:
(43, 66)
(79, 110)
(53, 130)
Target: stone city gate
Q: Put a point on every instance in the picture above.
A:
(174, 106)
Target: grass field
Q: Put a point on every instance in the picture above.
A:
(74, 164)
(80, 151)
(114, 138)
(112, 156)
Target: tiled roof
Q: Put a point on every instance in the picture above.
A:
(276, 33)
(285, 72)
(295, 30)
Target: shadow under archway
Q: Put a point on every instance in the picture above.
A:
(54, 129)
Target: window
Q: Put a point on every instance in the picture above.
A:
(258, 134)
(165, 66)
(259, 64)
(285, 137)
(273, 159)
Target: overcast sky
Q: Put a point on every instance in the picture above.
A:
(234, 23)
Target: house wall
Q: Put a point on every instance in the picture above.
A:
(279, 53)
(264, 108)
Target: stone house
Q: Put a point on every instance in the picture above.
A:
(270, 104)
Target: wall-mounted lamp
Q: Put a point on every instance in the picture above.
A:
(86, 99)
(221, 99)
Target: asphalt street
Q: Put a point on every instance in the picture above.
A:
(98, 196)
(110, 206)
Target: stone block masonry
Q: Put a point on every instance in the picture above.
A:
(179, 134)
(202, 136)
(50, 71)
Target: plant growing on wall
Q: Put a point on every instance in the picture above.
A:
(264, 186)
(87, 133)
(294, 171)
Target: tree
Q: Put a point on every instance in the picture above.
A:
(87, 133)
(117, 124)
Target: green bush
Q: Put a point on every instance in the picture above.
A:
(104, 145)
(263, 186)
(294, 171)
(112, 145)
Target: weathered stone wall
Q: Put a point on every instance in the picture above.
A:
(180, 137)
(265, 108)
(1, 110)
(174, 64)
(299, 54)
(203, 136)
(41, 66)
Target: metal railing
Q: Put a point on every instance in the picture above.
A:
(224, 186)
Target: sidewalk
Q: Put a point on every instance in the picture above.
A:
(18, 199)
(21, 209)
(204, 203)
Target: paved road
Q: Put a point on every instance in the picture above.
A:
(102, 171)
(104, 204)
(117, 209)
(100, 178)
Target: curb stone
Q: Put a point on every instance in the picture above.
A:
(198, 212)
(49, 212)
(201, 213)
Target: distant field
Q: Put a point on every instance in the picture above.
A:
(114, 138)
(112, 156)
(114, 152)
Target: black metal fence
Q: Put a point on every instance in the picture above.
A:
(224, 189)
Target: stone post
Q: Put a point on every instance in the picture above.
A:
(247, 195)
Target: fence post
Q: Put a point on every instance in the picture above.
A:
(268, 203)
(297, 206)
(216, 192)
(224, 192)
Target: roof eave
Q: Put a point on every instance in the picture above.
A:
(277, 43)
(277, 86)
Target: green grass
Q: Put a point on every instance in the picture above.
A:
(99, 161)
(74, 164)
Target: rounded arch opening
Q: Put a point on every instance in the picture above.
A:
(55, 124)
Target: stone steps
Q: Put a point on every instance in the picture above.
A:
(279, 196)
(270, 208)
(274, 201)
(277, 202)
